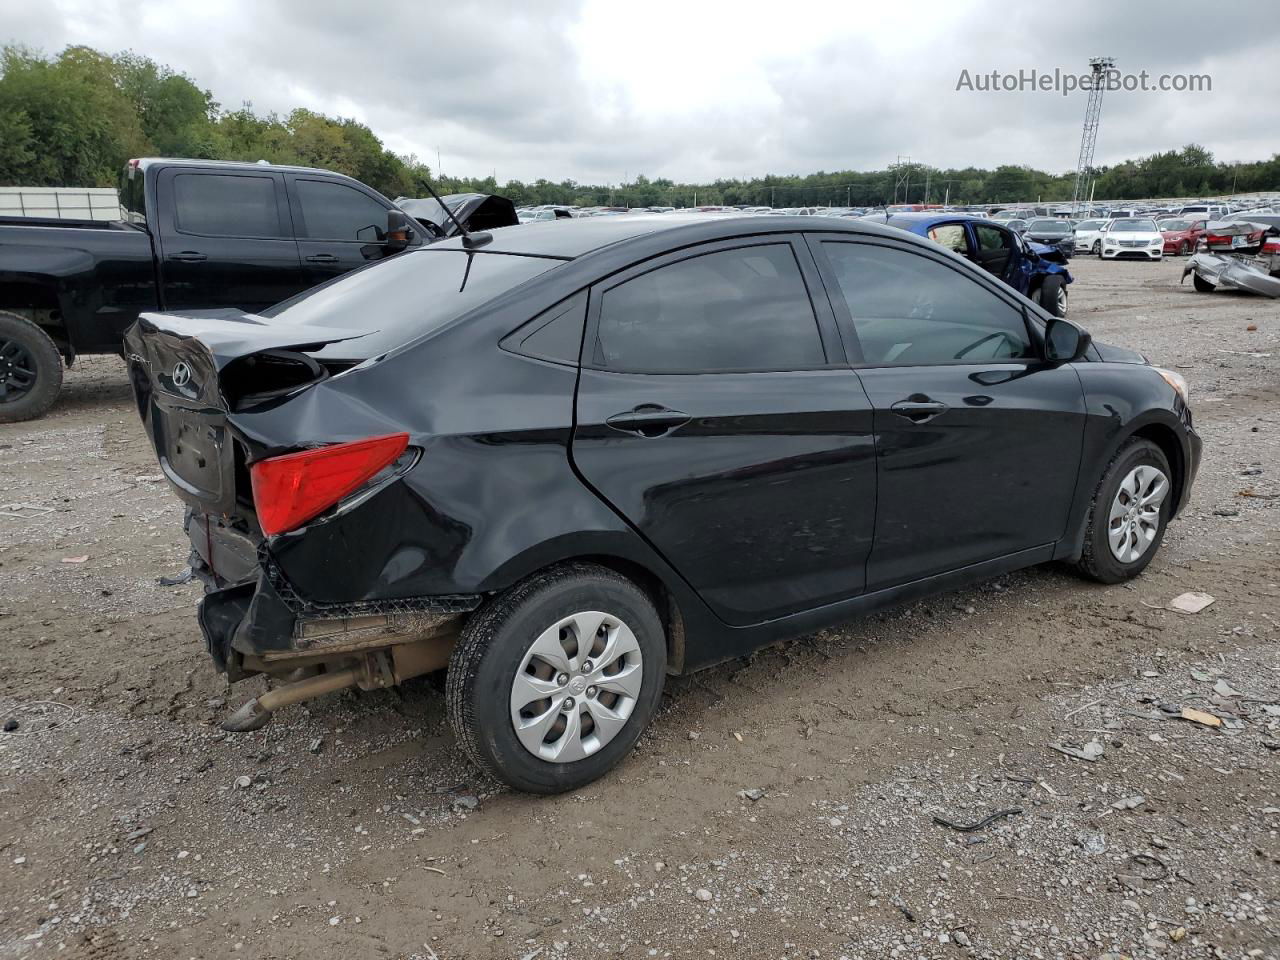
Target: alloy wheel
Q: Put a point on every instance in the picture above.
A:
(17, 371)
(576, 687)
(1135, 512)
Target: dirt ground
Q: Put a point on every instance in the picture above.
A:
(780, 807)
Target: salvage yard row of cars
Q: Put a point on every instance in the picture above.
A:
(713, 433)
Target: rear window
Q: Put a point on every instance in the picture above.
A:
(407, 296)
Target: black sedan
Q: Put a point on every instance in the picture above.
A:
(567, 459)
(1052, 232)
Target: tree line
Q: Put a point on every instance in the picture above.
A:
(74, 119)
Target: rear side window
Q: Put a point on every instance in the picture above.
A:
(909, 309)
(335, 211)
(411, 294)
(745, 308)
(218, 205)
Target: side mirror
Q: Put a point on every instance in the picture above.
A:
(399, 231)
(1064, 342)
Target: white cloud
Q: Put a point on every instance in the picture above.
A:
(601, 89)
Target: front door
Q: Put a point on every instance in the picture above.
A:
(340, 227)
(978, 439)
(716, 415)
(225, 240)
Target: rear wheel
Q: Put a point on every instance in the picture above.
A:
(30, 369)
(1201, 284)
(1130, 510)
(552, 682)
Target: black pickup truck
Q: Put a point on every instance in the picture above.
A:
(193, 234)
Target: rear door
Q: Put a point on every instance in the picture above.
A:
(226, 239)
(716, 414)
(978, 438)
(341, 226)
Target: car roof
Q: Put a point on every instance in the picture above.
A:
(144, 162)
(570, 239)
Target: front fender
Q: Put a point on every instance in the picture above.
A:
(1122, 400)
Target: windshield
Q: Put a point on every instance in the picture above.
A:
(1175, 224)
(1049, 226)
(400, 299)
(1089, 225)
(1134, 226)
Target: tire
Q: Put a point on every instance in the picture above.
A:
(1096, 248)
(507, 633)
(1183, 249)
(1053, 295)
(30, 369)
(1201, 284)
(1099, 561)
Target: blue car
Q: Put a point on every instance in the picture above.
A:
(1037, 271)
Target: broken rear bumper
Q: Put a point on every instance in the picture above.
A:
(251, 615)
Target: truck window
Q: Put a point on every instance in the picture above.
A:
(335, 211)
(219, 205)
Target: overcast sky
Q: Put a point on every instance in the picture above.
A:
(599, 90)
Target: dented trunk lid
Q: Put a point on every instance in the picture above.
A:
(190, 371)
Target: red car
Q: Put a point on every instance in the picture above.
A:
(1181, 236)
(1238, 237)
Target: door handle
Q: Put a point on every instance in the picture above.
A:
(322, 258)
(648, 420)
(919, 411)
(189, 256)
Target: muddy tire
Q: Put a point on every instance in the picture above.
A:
(1201, 284)
(553, 681)
(1130, 510)
(30, 369)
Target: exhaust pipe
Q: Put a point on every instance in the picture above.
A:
(383, 668)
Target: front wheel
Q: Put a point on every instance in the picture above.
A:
(1183, 249)
(1053, 295)
(1096, 249)
(553, 681)
(1130, 509)
(30, 369)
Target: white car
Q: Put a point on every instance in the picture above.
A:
(1132, 238)
(1089, 236)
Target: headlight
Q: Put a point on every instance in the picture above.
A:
(1177, 381)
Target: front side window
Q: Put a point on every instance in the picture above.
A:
(908, 309)
(220, 205)
(992, 238)
(335, 211)
(741, 309)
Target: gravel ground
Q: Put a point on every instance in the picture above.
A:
(781, 806)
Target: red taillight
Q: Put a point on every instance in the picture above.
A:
(290, 490)
(1272, 245)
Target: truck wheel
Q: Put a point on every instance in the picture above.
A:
(1053, 296)
(30, 369)
(553, 681)
(1203, 285)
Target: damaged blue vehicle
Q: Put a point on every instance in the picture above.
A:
(1036, 270)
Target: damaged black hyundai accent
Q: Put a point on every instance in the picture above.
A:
(566, 459)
